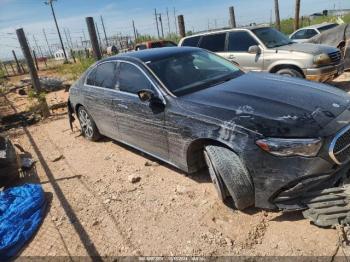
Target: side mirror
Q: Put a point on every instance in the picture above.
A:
(254, 49)
(145, 95)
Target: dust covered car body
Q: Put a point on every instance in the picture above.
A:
(266, 139)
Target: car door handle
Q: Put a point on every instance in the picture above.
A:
(231, 57)
(122, 106)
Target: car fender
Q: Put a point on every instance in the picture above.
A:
(272, 68)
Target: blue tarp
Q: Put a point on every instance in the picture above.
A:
(22, 210)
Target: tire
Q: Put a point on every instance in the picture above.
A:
(290, 72)
(87, 125)
(226, 166)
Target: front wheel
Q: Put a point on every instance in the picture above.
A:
(230, 176)
(87, 124)
(290, 72)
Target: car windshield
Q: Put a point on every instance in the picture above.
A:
(192, 71)
(271, 37)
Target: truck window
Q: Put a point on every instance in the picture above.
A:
(214, 43)
(301, 34)
(240, 41)
(191, 41)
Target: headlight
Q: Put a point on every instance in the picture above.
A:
(322, 59)
(290, 147)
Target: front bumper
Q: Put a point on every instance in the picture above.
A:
(325, 73)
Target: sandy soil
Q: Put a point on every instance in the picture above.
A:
(95, 209)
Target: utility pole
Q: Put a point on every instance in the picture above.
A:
(297, 15)
(133, 26)
(49, 2)
(181, 22)
(47, 42)
(277, 15)
(17, 63)
(67, 40)
(232, 17)
(37, 47)
(99, 37)
(175, 20)
(84, 35)
(156, 17)
(29, 59)
(93, 37)
(70, 38)
(104, 31)
(161, 24)
(167, 15)
(35, 60)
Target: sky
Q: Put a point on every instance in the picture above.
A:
(34, 16)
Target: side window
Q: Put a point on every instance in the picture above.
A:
(299, 35)
(131, 79)
(214, 43)
(105, 75)
(191, 41)
(310, 33)
(90, 80)
(141, 47)
(240, 41)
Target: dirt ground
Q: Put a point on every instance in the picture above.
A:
(94, 208)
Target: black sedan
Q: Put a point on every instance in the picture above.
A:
(267, 140)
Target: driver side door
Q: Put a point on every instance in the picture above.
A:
(141, 124)
(238, 43)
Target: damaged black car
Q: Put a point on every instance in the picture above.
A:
(267, 140)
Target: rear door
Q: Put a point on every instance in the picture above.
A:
(99, 93)
(141, 124)
(238, 43)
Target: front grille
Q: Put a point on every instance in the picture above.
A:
(335, 56)
(339, 150)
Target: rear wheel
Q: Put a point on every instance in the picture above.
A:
(229, 175)
(290, 72)
(87, 124)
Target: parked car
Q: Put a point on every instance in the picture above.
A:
(267, 140)
(267, 50)
(154, 44)
(305, 33)
(338, 37)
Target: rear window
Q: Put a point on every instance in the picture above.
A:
(327, 27)
(214, 43)
(191, 41)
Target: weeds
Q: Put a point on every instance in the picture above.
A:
(38, 103)
(74, 70)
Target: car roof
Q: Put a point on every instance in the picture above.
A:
(227, 30)
(153, 53)
(316, 26)
(154, 41)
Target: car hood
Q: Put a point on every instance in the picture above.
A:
(270, 104)
(309, 48)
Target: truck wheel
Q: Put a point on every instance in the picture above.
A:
(290, 72)
(231, 178)
(87, 124)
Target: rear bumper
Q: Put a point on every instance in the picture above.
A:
(323, 74)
